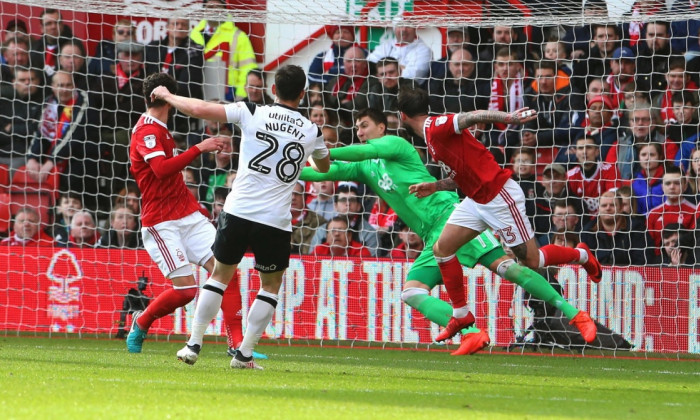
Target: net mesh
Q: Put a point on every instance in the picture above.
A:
(623, 74)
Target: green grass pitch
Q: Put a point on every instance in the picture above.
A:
(65, 378)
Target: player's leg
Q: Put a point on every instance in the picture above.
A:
(230, 244)
(231, 306)
(164, 245)
(271, 249)
(510, 212)
(463, 225)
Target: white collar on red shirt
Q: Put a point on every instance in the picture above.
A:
(151, 117)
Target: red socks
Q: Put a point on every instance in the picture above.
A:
(231, 307)
(453, 277)
(557, 255)
(165, 304)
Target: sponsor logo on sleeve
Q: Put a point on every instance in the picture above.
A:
(150, 141)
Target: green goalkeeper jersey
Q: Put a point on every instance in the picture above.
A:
(389, 165)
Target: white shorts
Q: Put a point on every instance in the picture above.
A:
(180, 243)
(505, 214)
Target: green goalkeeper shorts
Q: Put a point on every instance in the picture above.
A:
(483, 249)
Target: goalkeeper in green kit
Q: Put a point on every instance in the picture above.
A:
(389, 165)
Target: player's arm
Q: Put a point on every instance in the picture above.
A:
(521, 116)
(378, 150)
(191, 106)
(338, 171)
(163, 167)
(425, 189)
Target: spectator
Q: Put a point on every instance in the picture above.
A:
(44, 51)
(304, 221)
(687, 131)
(69, 203)
(209, 128)
(507, 87)
(26, 230)
(64, 141)
(643, 129)
(121, 104)
(629, 207)
(330, 136)
(384, 95)
(567, 239)
(566, 217)
(224, 162)
(348, 204)
(458, 38)
(623, 72)
(322, 116)
(606, 38)
(180, 57)
(220, 195)
(351, 87)
(322, 203)
(255, 88)
(230, 178)
(556, 51)
(123, 232)
(677, 80)
(678, 246)
(647, 185)
(694, 175)
(410, 247)
(654, 53)
(106, 50)
(192, 181)
(595, 86)
(15, 54)
(552, 188)
(83, 232)
(524, 175)
(328, 64)
(411, 52)
(72, 59)
(675, 209)
(591, 177)
(339, 241)
(460, 90)
(611, 238)
(687, 123)
(551, 101)
(130, 196)
(224, 41)
(383, 219)
(16, 28)
(502, 36)
(600, 123)
(19, 117)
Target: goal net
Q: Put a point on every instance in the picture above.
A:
(610, 161)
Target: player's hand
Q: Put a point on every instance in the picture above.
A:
(161, 92)
(522, 116)
(212, 144)
(423, 189)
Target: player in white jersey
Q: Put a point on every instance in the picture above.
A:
(276, 143)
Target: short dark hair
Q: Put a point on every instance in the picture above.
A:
(546, 64)
(290, 81)
(342, 219)
(387, 61)
(686, 96)
(221, 192)
(414, 102)
(373, 114)
(257, 73)
(153, 81)
(676, 62)
(51, 12)
(673, 169)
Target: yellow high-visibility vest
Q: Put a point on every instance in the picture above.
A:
(232, 45)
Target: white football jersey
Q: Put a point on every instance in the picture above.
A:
(276, 142)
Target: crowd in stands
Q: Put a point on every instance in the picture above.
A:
(612, 159)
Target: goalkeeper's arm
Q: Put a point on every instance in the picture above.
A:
(338, 171)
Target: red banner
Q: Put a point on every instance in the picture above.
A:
(82, 290)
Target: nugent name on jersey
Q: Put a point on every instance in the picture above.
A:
(285, 126)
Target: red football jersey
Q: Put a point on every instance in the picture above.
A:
(666, 214)
(466, 160)
(161, 199)
(604, 178)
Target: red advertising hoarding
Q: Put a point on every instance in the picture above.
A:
(82, 290)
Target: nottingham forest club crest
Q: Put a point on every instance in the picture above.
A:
(63, 299)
